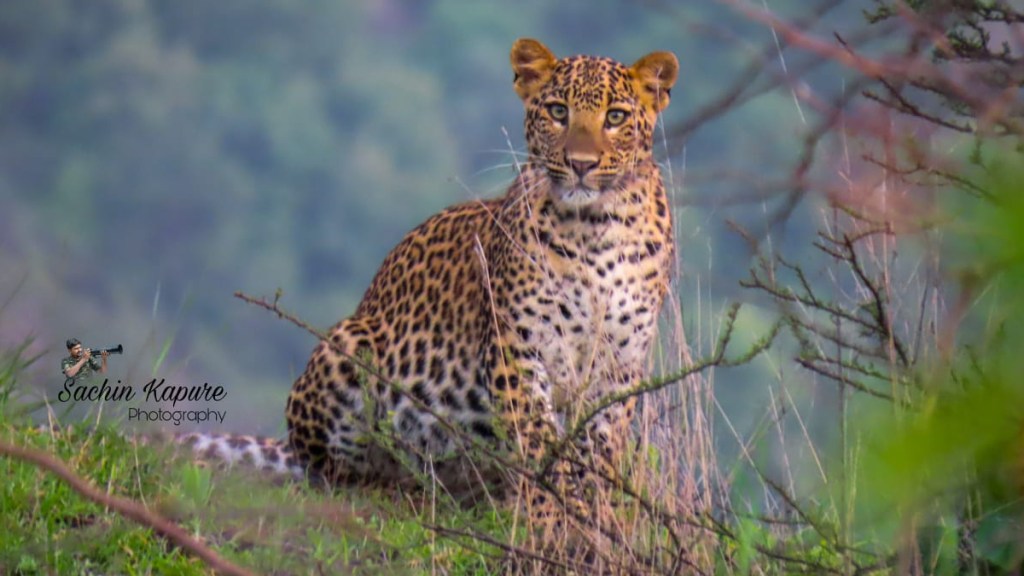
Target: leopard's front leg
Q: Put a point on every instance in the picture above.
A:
(601, 437)
(521, 395)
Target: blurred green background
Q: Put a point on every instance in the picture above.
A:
(155, 157)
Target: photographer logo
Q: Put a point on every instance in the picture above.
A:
(82, 363)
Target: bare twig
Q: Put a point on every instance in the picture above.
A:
(127, 508)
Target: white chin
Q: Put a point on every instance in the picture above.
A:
(578, 196)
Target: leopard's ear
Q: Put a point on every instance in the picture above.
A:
(532, 63)
(654, 75)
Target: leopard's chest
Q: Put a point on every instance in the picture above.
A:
(597, 296)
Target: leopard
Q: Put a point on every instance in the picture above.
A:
(504, 322)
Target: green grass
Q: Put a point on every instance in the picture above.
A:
(49, 528)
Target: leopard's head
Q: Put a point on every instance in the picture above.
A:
(590, 121)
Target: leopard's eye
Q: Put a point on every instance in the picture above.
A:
(615, 117)
(559, 112)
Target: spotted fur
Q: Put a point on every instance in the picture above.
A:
(266, 454)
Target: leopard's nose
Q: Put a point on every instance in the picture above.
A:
(581, 167)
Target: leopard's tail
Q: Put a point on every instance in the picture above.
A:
(266, 454)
